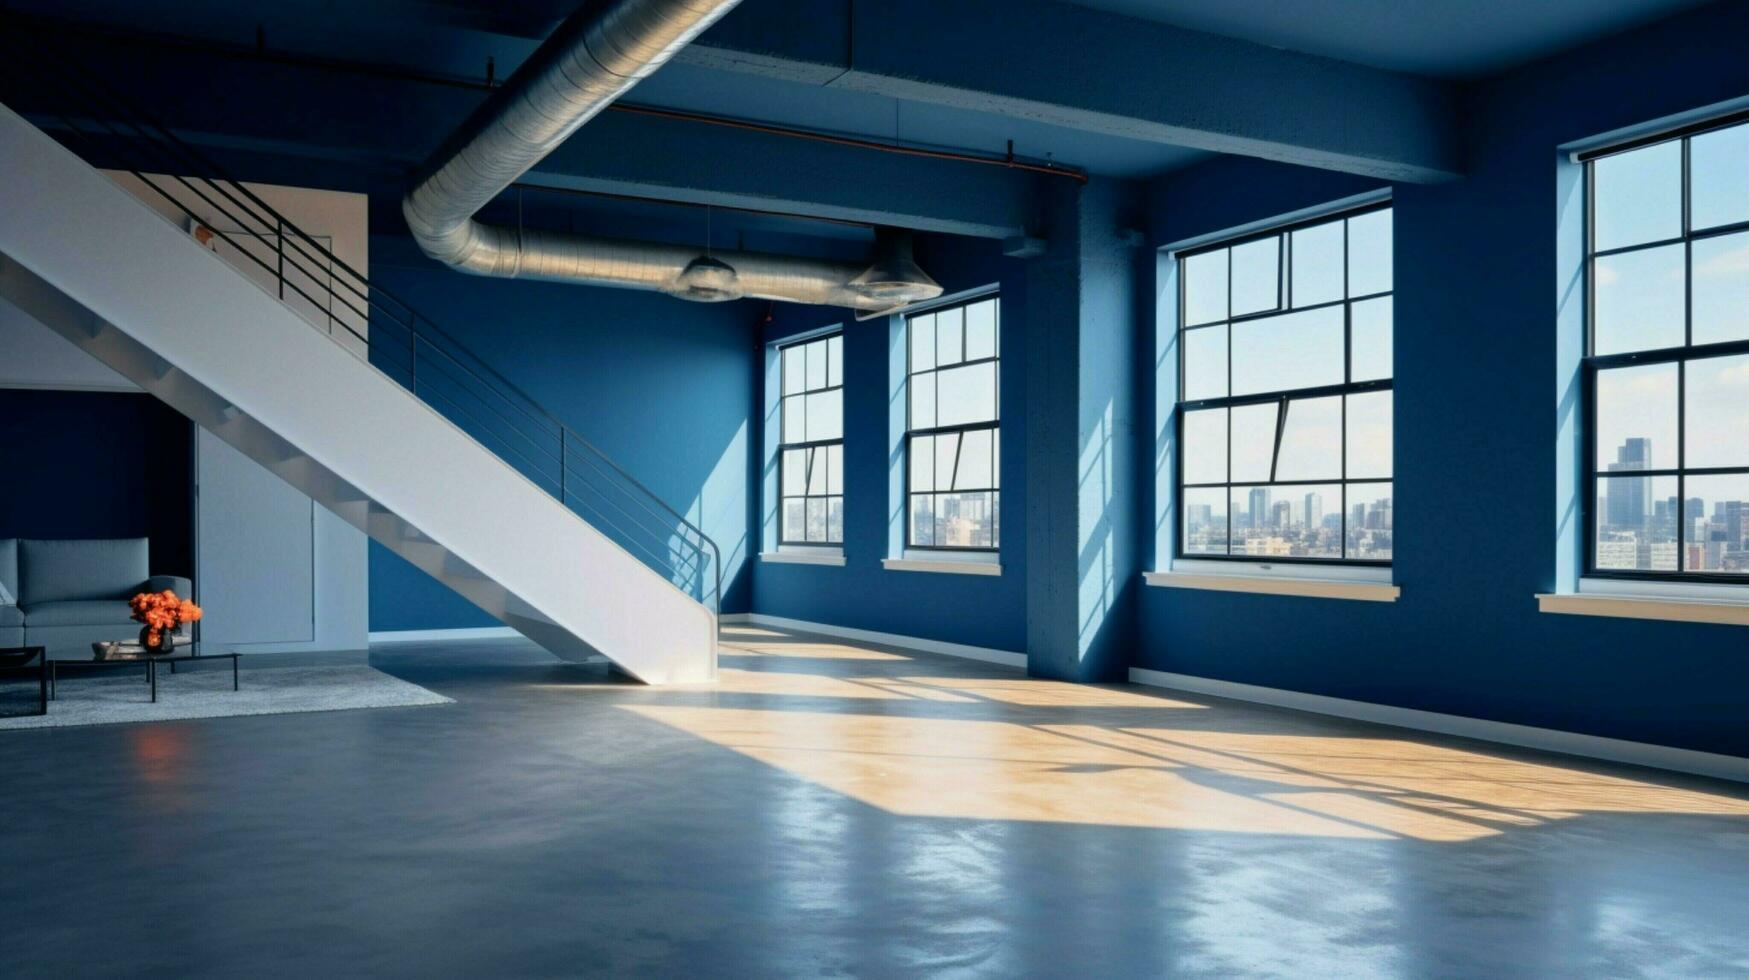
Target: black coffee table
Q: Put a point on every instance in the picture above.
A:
(195, 655)
(20, 659)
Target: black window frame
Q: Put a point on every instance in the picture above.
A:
(813, 449)
(1683, 355)
(912, 432)
(1348, 387)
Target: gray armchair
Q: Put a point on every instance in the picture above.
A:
(72, 593)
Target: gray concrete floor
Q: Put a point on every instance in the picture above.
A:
(832, 810)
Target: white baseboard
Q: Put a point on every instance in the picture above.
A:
(471, 633)
(1524, 736)
(987, 655)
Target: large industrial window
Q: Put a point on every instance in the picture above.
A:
(1284, 439)
(1666, 376)
(952, 437)
(812, 452)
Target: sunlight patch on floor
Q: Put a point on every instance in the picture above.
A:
(986, 770)
(1028, 692)
(806, 650)
(1140, 775)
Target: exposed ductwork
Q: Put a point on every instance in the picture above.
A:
(587, 64)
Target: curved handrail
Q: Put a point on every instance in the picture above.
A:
(166, 153)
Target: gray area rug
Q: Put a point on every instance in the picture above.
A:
(116, 696)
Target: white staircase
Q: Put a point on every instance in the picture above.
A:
(94, 263)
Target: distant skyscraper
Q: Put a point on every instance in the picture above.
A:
(1260, 507)
(1733, 517)
(1314, 509)
(1625, 504)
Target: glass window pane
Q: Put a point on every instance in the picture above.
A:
(965, 520)
(835, 469)
(1636, 523)
(922, 389)
(816, 365)
(984, 530)
(922, 462)
(1253, 441)
(795, 417)
(1272, 522)
(835, 361)
(981, 330)
(1639, 300)
(816, 519)
(825, 415)
(1257, 276)
(1370, 257)
(1636, 418)
(1317, 264)
(922, 520)
(1205, 521)
(835, 520)
(1205, 363)
(1286, 522)
(1716, 524)
(1311, 440)
(794, 369)
(1369, 435)
(1205, 287)
(967, 394)
(1371, 338)
(1368, 521)
(1721, 287)
(817, 472)
(1205, 446)
(1638, 196)
(795, 472)
(794, 519)
(946, 449)
(995, 520)
(1716, 416)
(1294, 350)
(1718, 167)
(949, 336)
(922, 341)
(974, 464)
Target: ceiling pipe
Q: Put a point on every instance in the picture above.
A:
(588, 63)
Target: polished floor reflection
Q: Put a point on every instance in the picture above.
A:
(844, 809)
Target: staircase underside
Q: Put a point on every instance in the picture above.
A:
(134, 361)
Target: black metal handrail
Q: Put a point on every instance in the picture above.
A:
(108, 130)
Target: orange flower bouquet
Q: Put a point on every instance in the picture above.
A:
(162, 613)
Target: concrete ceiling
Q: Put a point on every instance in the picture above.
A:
(1456, 39)
(1437, 38)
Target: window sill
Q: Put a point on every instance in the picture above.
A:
(834, 558)
(1646, 607)
(949, 567)
(1315, 588)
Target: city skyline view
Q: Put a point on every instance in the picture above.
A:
(1669, 278)
(1645, 523)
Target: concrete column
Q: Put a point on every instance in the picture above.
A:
(1083, 535)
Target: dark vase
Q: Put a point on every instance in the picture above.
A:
(166, 643)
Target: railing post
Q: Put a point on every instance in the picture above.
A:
(279, 246)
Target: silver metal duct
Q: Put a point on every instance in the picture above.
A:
(587, 64)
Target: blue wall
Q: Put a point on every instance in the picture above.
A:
(987, 611)
(1476, 435)
(99, 465)
(663, 387)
